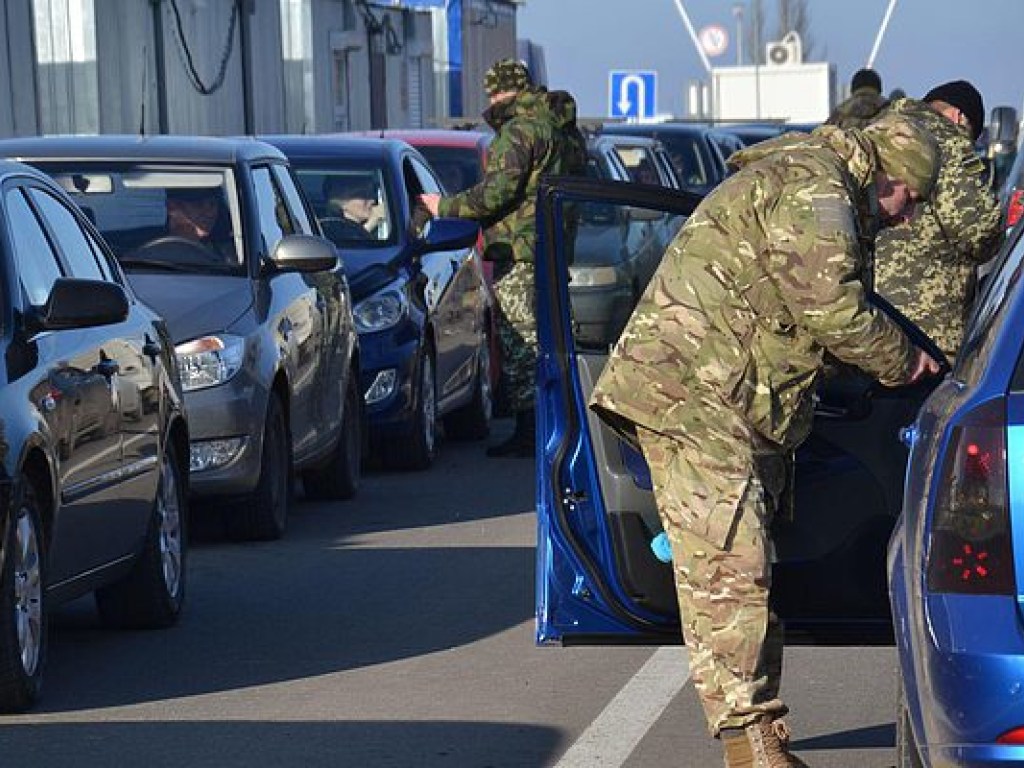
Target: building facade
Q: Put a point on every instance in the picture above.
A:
(223, 67)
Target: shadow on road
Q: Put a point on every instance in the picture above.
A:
(876, 736)
(311, 745)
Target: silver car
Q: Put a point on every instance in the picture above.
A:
(215, 235)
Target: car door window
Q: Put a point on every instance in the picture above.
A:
(274, 219)
(293, 199)
(38, 267)
(426, 179)
(70, 239)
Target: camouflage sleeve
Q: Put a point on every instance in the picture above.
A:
(816, 264)
(965, 209)
(509, 159)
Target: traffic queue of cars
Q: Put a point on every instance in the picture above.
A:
(177, 327)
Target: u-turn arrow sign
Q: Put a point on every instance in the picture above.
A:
(632, 94)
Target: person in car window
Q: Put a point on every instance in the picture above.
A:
(197, 214)
(353, 212)
(714, 376)
(536, 136)
(927, 266)
(863, 105)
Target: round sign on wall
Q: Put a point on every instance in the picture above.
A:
(714, 40)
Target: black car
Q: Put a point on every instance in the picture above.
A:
(94, 446)
(421, 305)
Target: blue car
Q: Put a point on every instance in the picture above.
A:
(598, 579)
(958, 549)
(420, 303)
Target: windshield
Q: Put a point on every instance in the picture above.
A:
(352, 202)
(458, 168)
(159, 218)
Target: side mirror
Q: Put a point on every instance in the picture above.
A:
(1002, 129)
(447, 235)
(76, 303)
(304, 253)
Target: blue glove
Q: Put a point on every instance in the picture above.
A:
(661, 547)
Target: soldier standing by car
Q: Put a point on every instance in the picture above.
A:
(927, 267)
(714, 377)
(865, 101)
(536, 136)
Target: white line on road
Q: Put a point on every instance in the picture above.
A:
(615, 733)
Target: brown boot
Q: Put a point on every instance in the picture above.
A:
(762, 744)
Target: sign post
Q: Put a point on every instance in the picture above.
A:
(632, 94)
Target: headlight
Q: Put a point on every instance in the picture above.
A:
(209, 361)
(593, 277)
(379, 312)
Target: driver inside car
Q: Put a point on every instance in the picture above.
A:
(196, 214)
(353, 212)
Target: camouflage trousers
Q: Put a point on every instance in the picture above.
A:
(734, 640)
(517, 332)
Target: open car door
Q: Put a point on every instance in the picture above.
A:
(598, 579)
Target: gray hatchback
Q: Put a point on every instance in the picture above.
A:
(214, 235)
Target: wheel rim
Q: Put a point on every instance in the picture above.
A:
(28, 591)
(429, 405)
(275, 453)
(484, 374)
(169, 519)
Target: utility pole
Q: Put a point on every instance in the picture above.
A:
(737, 12)
(881, 33)
(161, 66)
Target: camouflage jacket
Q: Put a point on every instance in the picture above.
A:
(762, 279)
(536, 136)
(858, 110)
(926, 266)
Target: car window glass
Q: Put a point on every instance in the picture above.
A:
(981, 328)
(427, 182)
(639, 164)
(293, 199)
(271, 210)
(353, 202)
(37, 264)
(159, 218)
(458, 168)
(69, 236)
(689, 158)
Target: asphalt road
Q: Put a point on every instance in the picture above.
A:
(397, 630)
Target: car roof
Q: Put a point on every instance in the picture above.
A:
(651, 129)
(330, 145)
(433, 137)
(164, 148)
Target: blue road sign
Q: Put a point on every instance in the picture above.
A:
(632, 94)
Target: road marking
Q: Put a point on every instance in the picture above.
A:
(615, 733)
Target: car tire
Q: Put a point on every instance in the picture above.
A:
(473, 420)
(23, 619)
(339, 478)
(151, 596)
(419, 449)
(907, 755)
(265, 516)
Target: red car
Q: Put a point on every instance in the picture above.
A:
(458, 158)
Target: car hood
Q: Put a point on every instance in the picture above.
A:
(194, 305)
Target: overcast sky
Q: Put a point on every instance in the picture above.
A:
(927, 42)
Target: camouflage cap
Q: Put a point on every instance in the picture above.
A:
(506, 75)
(906, 152)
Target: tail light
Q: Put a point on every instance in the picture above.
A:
(1014, 737)
(971, 551)
(1015, 208)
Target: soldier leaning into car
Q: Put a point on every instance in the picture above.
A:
(926, 267)
(536, 136)
(863, 105)
(713, 377)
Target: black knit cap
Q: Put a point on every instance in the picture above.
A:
(965, 97)
(866, 78)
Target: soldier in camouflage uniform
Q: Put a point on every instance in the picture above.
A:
(926, 267)
(536, 135)
(865, 102)
(714, 374)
